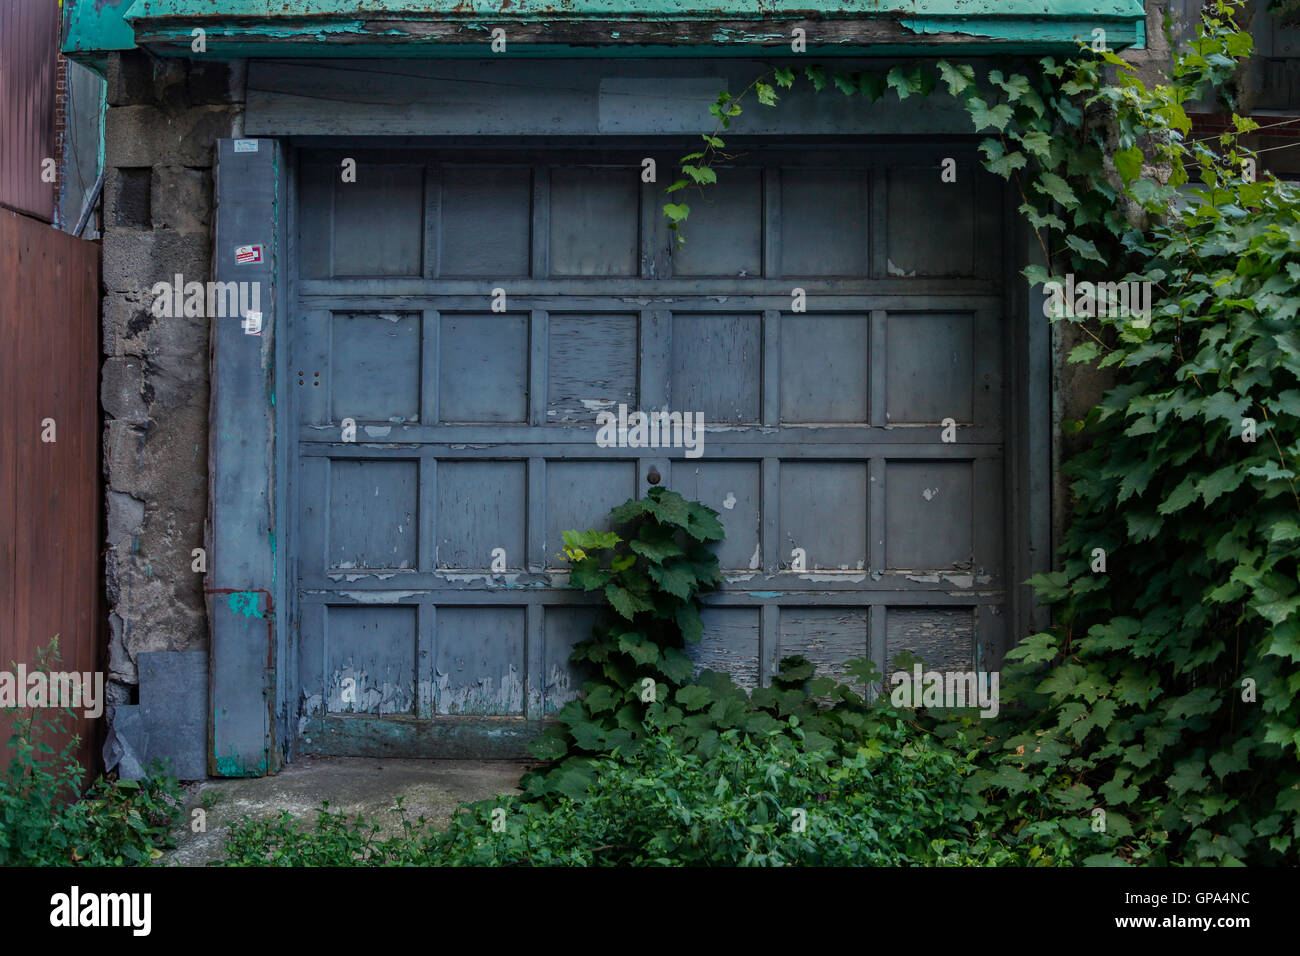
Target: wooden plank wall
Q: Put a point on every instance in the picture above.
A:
(50, 492)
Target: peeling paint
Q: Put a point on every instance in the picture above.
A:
(298, 27)
(367, 695)
(379, 597)
(485, 695)
(518, 579)
(834, 576)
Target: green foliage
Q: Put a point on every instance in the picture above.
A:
(45, 820)
(1287, 12)
(1166, 695)
(1139, 698)
(649, 579)
(763, 799)
(332, 839)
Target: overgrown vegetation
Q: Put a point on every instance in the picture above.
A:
(1157, 721)
(46, 819)
(1164, 702)
(759, 800)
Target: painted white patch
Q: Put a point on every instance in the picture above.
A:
(929, 493)
(354, 691)
(596, 404)
(484, 696)
(754, 559)
(834, 576)
(895, 270)
(924, 578)
(559, 689)
(378, 431)
(729, 502)
(509, 579)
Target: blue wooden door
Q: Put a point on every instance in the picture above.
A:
(461, 317)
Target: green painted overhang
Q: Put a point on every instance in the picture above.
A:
(324, 28)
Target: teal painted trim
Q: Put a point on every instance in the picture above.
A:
(1033, 33)
(96, 26)
(550, 10)
(552, 51)
(356, 28)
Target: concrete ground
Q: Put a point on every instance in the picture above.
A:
(352, 785)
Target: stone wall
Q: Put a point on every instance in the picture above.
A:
(162, 121)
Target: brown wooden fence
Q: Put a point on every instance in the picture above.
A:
(49, 490)
(29, 49)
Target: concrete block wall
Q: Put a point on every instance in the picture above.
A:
(162, 121)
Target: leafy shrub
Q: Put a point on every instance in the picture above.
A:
(765, 800)
(650, 580)
(45, 820)
(760, 800)
(1163, 705)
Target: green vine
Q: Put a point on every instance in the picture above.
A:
(1164, 702)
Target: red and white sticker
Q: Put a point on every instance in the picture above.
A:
(246, 255)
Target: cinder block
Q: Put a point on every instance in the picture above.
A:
(126, 317)
(181, 199)
(125, 516)
(134, 259)
(127, 197)
(209, 82)
(148, 136)
(130, 78)
(120, 389)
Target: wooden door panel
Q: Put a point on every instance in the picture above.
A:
(429, 587)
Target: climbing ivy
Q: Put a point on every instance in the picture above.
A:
(650, 580)
(648, 575)
(1162, 707)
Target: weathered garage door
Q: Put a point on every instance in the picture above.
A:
(475, 428)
